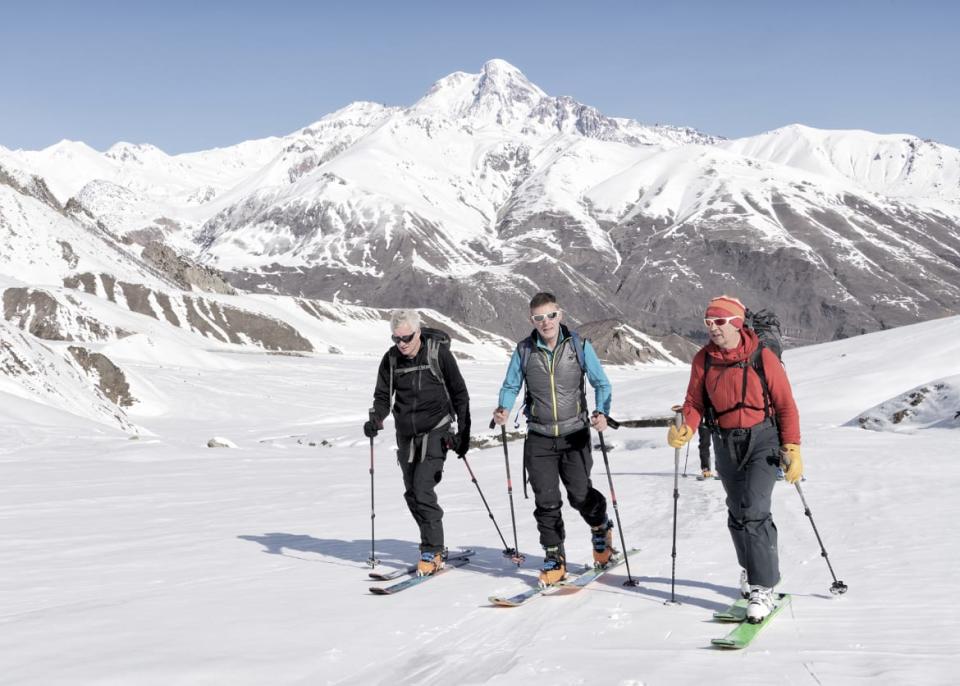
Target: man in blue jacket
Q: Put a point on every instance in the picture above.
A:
(552, 361)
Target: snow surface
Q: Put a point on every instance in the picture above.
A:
(160, 561)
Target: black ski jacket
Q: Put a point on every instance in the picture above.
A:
(419, 399)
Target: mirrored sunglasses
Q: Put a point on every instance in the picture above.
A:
(548, 315)
(719, 321)
(403, 339)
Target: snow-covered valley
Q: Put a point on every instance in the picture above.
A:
(161, 561)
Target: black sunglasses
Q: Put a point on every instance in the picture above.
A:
(403, 339)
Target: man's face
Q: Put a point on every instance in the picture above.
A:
(407, 339)
(546, 319)
(724, 335)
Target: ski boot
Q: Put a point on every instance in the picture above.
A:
(744, 584)
(430, 563)
(602, 539)
(554, 568)
(760, 605)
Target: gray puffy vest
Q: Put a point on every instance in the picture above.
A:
(555, 396)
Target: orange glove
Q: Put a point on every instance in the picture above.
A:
(792, 462)
(677, 437)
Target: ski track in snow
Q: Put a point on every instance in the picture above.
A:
(161, 561)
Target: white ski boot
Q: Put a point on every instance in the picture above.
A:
(761, 604)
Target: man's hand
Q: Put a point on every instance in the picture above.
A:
(599, 421)
(500, 416)
(677, 437)
(792, 462)
(372, 427)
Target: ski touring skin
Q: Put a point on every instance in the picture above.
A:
(417, 580)
(576, 582)
(412, 569)
(737, 612)
(743, 634)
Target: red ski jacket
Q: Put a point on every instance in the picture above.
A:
(724, 386)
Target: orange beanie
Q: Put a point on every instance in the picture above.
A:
(727, 306)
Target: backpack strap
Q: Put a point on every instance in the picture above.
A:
(433, 365)
(578, 347)
(710, 415)
(433, 362)
(392, 357)
(756, 361)
(709, 411)
(525, 348)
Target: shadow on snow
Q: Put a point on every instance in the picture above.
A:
(391, 552)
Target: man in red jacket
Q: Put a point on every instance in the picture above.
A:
(755, 426)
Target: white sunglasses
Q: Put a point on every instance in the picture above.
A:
(549, 315)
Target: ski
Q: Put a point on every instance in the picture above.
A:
(417, 580)
(412, 569)
(576, 582)
(741, 636)
(737, 612)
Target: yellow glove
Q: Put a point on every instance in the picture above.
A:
(677, 437)
(792, 462)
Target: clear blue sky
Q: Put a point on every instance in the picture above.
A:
(193, 75)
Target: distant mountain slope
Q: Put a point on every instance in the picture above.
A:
(488, 189)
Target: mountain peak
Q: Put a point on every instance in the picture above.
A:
(499, 94)
(133, 152)
(504, 84)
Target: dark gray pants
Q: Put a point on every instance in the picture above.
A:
(747, 461)
(703, 437)
(420, 479)
(548, 461)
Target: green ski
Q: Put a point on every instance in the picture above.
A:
(737, 612)
(744, 633)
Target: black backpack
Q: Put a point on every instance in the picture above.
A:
(434, 339)
(767, 327)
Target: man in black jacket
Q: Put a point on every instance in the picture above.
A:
(421, 377)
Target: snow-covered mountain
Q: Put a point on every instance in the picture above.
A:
(488, 189)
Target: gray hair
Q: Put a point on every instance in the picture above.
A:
(399, 317)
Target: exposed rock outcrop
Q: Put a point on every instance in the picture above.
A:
(110, 379)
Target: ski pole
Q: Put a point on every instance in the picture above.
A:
(613, 424)
(678, 422)
(507, 551)
(517, 555)
(837, 587)
(372, 560)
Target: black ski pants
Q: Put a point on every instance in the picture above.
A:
(747, 461)
(549, 460)
(703, 437)
(422, 468)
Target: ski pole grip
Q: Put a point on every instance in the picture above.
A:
(678, 419)
(784, 458)
(493, 423)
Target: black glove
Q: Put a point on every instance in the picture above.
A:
(372, 427)
(461, 445)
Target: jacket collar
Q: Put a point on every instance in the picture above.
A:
(538, 342)
(748, 344)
